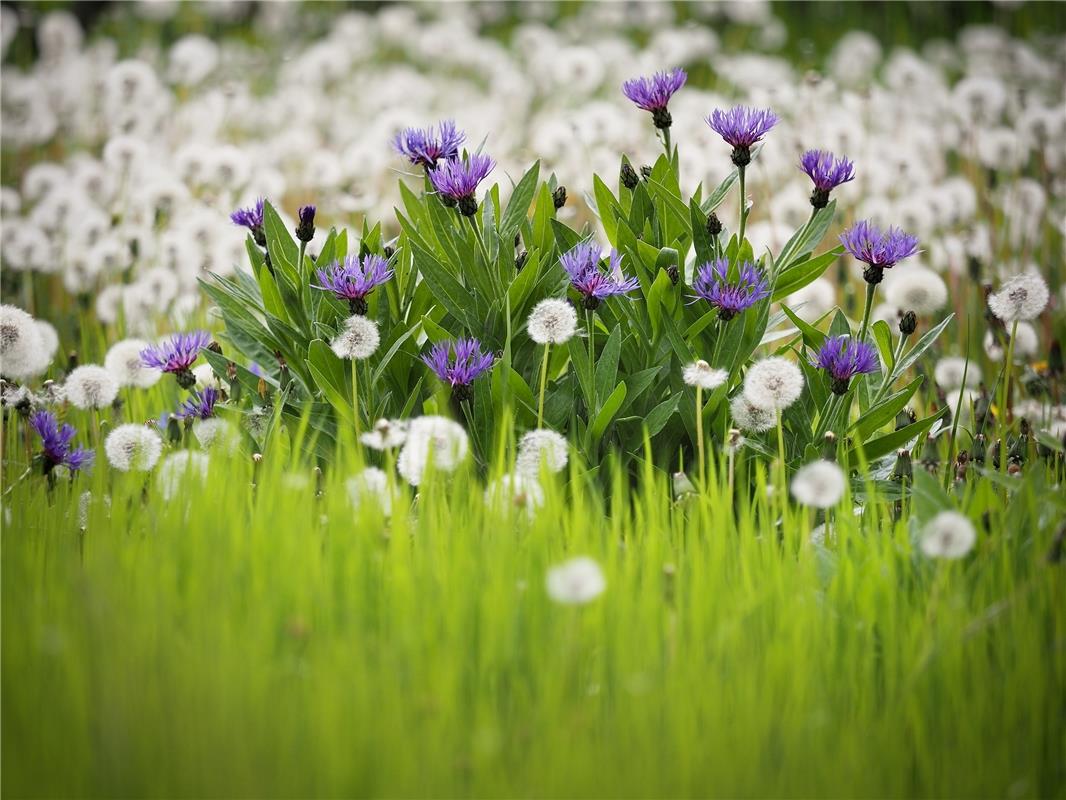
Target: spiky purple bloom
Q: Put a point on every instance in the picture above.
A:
(305, 228)
(827, 173)
(654, 93)
(456, 180)
(56, 441)
(731, 297)
(594, 280)
(423, 147)
(458, 363)
(200, 406)
(252, 219)
(879, 250)
(354, 279)
(177, 355)
(844, 357)
(742, 127)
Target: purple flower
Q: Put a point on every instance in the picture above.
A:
(200, 406)
(305, 229)
(56, 441)
(458, 363)
(826, 172)
(252, 219)
(731, 297)
(354, 279)
(843, 358)
(741, 127)
(420, 146)
(583, 263)
(176, 355)
(456, 180)
(879, 250)
(652, 94)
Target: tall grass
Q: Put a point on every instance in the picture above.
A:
(273, 641)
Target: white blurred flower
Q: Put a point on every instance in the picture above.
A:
(948, 535)
(819, 484)
(358, 339)
(516, 491)
(1026, 344)
(541, 446)
(575, 582)
(432, 437)
(774, 383)
(123, 361)
(23, 353)
(751, 417)
(181, 467)
(1022, 297)
(916, 289)
(133, 448)
(949, 370)
(371, 485)
(701, 374)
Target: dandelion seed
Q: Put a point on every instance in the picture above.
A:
(575, 582)
(541, 446)
(701, 374)
(819, 484)
(751, 417)
(90, 386)
(133, 448)
(516, 491)
(435, 441)
(358, 339)
(216, 434)
(123, 361)
(1026, 343)
(23, 353)
(1022, 297)
(552, 321)
(774, 383)
(948, 535)
(371, 486)
(386, 434)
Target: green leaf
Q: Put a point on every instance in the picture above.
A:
(607, 362)
(448, 291)
(329, 374)
(518, 205)
(660, 415)
(806, 238)
(885, 411)
(812, 337)
(564, 236)
(920, 347)
(715, 198)
(583, 369)
(608, 208)
(610, 408)
(799, 275)
(883, 337)
(891, 442)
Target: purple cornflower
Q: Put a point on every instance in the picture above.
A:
(731, 297)
(583, 263)
(354, 279)
(200, 406)
(827, 173)
(652, 94)
(741, 127)
(55, 444)
(879, 250)
(843, 358)
(458, 363)
(252, 219)
(305, 228)
(456, 181)
(422, 147)
(176, 355)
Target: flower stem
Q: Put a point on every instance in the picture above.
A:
(699, 438)
(743, 210)
(590, 317)
(887, 382)
(355, 395)
(543, 383)
(870, 289)
(666, 142)
(1004, 400)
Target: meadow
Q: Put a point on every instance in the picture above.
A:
(656, 401)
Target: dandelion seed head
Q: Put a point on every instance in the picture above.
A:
(1022, 297)
(949, 370)
(358, 339)
(515, 492)
(90, 386)
(701, 374)
(123, 361)
(431, 438)
(751, 417)
(541, 445)
(552, 321)
(385, 435)
(133, 448)
(1026, 343)
(370, 486)
(575, 582)
(217, 434)
(916, 289)
(819, 484)
(949, 535)
(179, 467)
(23, 353)
(774, 383)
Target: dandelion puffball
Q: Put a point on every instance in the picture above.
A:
(370, 486)
(133, 448)
(90, 386)
(774, 383)
(386, 434)
(431, 437)
(358, 339)
(178, 467)
(751, 417)
(516, 492)
(1026, 343)
(703, 375)
(916, 289)
(552, 321)
(948, 535)
(124, 362)
(1022, 297)
(541, 446)
(949, 370)
(819, 484)
(575, 582)
(23, 351)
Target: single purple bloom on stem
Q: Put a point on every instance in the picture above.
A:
(177, 355)
(458, 363)
(456, 181)
(844, 357)
(200, 406)
(879, 250)
(305, 228)
(591, 278)
(354, 279)
(252, 219)
(654, 93)
(741, 127)
(423, 147)
(731, 297)
(56, 447)
(826, 172)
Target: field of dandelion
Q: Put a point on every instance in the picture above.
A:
(533, 399)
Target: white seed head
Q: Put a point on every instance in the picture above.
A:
(358, 339)
(575, 582)
(179, 467)
(968, 396)
(123, 361)
(819, 484)
(751, 417)
(949, 370)
(133, 448)
(1026, 343)
(433, 437)
(948, 535)
(541, 445)
(774, 383)
(1022, 297)
(552, 321)
(205, 378)
(217, 434)
(386, 434)
(371, 486)
(916, 289)
(701, 374)
(515, 492)
(49, 339)
(90, 386)
(23, 353)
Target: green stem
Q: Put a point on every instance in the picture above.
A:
(666, 142)
(743, 210)
(355, 395)
(543, 383)
(590, 318)
(699, 439)
(887, 382)
(485, 254)
(781, 442)
(1005, 398)
(870, 289)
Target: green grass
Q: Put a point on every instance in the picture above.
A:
(273, 643)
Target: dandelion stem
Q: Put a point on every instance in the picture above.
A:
(1004, 400)
(355, 395)
(781, 443)
(699, 439)
(543, 383)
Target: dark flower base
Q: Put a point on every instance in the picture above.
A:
(358, 305)
(661, 118)
(628, 177)
(185, 378)
(820, 198)
(714, 225)
(726, 314)
(873, 275)
(673, 273)
(741, 156)
(590, 302)
(839, 385)
(462, 392)
(467, 206)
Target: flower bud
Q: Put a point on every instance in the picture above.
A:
(714, 225)
(628, 176)
(903, 470)
(559, 197)
(908, 323)
(305, 230)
